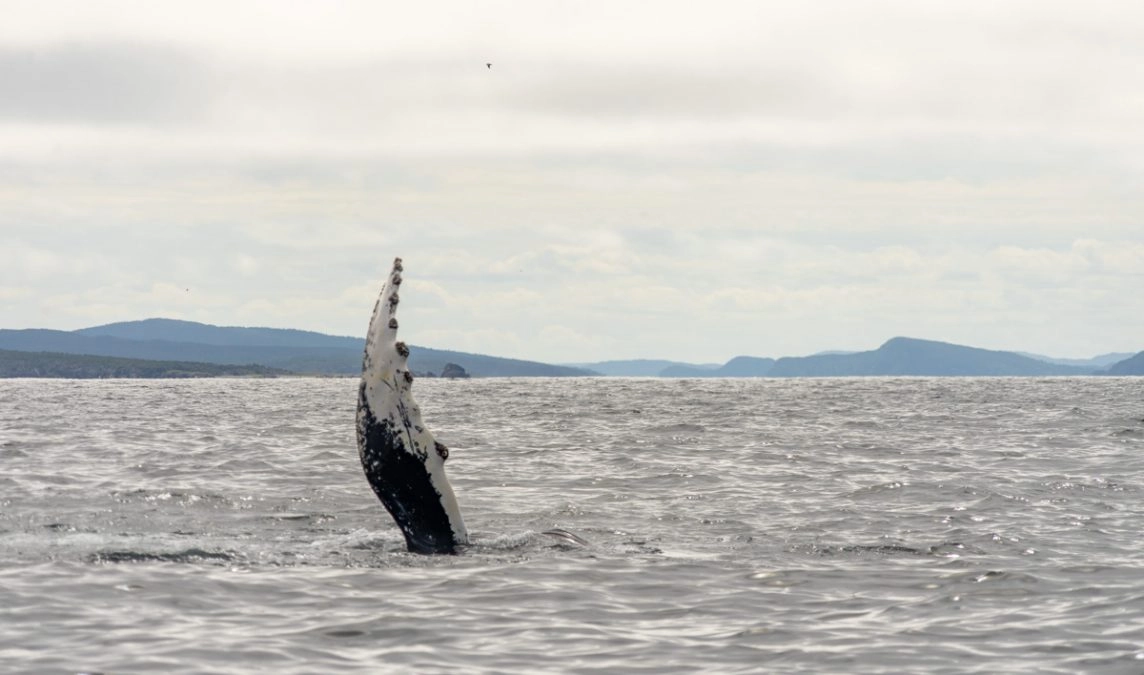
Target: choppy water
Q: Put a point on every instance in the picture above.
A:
(893, 525)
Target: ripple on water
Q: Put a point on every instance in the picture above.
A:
(880, 525)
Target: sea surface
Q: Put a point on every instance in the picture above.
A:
(955, 525)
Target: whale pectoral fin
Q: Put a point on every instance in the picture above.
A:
(402, 461)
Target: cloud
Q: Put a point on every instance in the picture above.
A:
(671, 90)
(775, 178)
(102, 83)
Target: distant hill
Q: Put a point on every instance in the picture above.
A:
(293, 350)
(746, 366)
(83, 366)
(909, 356)
(173, 330)
(308, 352)
(1131, 366)
(638, 367)
(299, 359)
(740, 366)
(1095, 362)
(905, 356)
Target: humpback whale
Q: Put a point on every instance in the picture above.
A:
(403, 463)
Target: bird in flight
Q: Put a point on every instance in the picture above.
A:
(490, 66)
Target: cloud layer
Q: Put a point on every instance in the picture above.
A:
(695, 184)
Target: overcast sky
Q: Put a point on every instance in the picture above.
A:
(687, 180)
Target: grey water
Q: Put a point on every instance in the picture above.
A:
(916, 525)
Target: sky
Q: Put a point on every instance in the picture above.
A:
(680, 180)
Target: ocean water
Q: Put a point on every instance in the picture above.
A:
(813, 525)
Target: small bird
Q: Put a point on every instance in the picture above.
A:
(489, 65)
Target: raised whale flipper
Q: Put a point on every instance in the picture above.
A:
(403, 463)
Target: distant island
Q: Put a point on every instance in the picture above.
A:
(84, 366)
(1130, 366)
(171, 348)
(900, 356)
(282, 351)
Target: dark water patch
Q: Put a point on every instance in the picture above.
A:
(641, 546)
(942, 550)
(11, 451)
(190, 555)
(310, 518)
(881, 549)
(346, 633)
